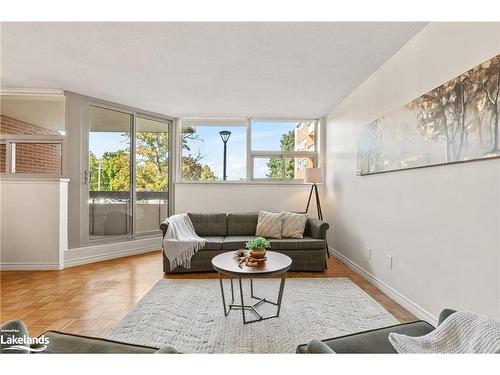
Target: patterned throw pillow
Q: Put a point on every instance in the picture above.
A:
(293, 225)
(269, 224)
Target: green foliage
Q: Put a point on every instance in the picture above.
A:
(152, 165)
(115, 171)
(192, 169)
(152, 161)
(258, 243)
(287, 143)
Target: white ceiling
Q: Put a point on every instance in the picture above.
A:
(202, 69)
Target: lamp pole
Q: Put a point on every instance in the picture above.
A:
(224, 135)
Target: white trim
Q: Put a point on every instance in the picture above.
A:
(408, 304)
(113, 255)
(285, 154)
(30, 266)
(255, 181)
(98, 253)
(31, 138)
(30, 91)
(32, 178)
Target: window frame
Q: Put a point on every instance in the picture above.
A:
(282, 154)
(134, 113)
(208, 122)
(251, 154)
(11, 139)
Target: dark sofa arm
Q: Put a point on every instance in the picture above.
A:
(318, 347)
(164, 226)
(444, 314)
(14, 329)
(316, 228)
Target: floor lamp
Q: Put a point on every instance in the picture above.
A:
(314, 176)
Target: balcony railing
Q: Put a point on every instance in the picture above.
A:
(124, 195)
(109, 212)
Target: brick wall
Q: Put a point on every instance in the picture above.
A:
(2, 158)
(30, 157)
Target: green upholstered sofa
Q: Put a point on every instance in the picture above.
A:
(66, 343)
(229, 232)
(374, 341)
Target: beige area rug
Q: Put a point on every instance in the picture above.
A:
(188, 315)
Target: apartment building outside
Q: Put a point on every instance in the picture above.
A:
(304, 141)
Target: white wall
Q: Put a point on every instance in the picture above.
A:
(33, 223)
(241, 197)
(441, 224)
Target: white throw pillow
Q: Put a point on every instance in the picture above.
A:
(269, 224)
(293, 225)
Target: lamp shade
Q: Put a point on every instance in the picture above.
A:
(313, 175)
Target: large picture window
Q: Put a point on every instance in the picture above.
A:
(205, 145)
(274, 150)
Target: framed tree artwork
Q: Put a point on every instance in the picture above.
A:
(455, 122)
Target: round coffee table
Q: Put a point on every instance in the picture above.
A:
(276, 264)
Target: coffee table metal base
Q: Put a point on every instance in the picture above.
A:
(243, 307)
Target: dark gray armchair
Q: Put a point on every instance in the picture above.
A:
(373, 341)
(65, 343)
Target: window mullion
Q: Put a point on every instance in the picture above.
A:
(133, 171)
(250, 159)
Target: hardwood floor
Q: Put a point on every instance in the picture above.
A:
(92, 298)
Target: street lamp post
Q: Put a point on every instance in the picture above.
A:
(224, 134)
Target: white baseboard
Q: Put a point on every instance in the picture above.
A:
(30, 266)
(109, 255)
(408, 304)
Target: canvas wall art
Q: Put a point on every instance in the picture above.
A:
(455, 122)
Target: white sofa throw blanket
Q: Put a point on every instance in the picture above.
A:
(461, 332)
(181, 241)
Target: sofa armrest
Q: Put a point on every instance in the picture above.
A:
(15, 329)
(317, 228)
(164, 226)
(318, 347)
(68, 343)
(444, 314)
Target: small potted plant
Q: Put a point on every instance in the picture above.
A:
(258, 247)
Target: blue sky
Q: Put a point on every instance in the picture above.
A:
(266, 137)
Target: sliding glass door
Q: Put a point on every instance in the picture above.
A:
(127, 176)
(109, 178)
(151, 174)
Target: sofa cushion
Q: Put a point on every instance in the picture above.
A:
(209, 224)
(213, 242)
(305, 243)
(236, 242)
(374, 341)
(242, 223)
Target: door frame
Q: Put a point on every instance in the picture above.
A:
(84, 201)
